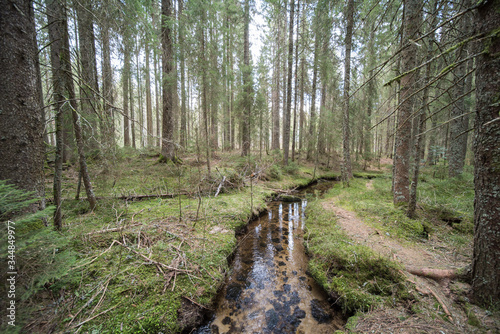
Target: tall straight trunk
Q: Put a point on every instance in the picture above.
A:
(421, 116)
(183, 129)
(227, 110)
(149, 108)
(168, 147)
(312, 126)
(107, 87)
(275, 143)
(486, 256)
(204, 102)
(346, 163)
(132, 112)
(214, 128)
(21, 123)
(125, 87)
(294, 131)
(64, 93)
(140, 112)
(371, 92)
(460, 122)
(89, 88)
(287, 115)
(403, 138)
(245, 131)
(157, 99)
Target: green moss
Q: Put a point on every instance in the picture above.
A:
(353, 273)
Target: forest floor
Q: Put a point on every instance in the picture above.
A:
(155, 252)
(437, 305)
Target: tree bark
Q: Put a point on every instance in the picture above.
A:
(275, 140)
(183, 129)
(64, 93)
(346, 171)
(247, 86)
(312, 125)
(286, 127)
(403, 138)
(459, 125)
(107, 86)
(125, 86)
(149, 107)
(89, 88)
(168, 146)
(486, 257)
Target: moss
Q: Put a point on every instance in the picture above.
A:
(80, 264)
(352, 273)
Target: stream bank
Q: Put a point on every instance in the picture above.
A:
(269, 288)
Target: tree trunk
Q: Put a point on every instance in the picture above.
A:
(312, 126)
(64, 93)
(459, 125)
(168, 146)
(275, 142)
(287, 115)
(149, 108)
(294, 131)
(247, 86)
(132, 112)
(125, 86)
(403, 138)
(486, 258)
(346, 163)
(107, 87)
(89, 88)
(183, 129)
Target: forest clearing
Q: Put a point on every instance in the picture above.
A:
(250, 166)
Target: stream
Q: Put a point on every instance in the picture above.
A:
(269, 289)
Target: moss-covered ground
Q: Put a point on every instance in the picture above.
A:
(375, 289)
(141, 266)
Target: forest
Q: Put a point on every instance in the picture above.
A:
(264, 166)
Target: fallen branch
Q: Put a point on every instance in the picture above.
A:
(435, 274)
(95, 316)
(151, 260)
(112, 229)
(192, 301)
(221, 184)
(445, 309)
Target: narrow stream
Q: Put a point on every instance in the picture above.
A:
(269, 289)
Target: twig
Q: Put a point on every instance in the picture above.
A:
(96, 256)
(445, 309)
(95, 316)
(115, 229)
(153, 261)
(192, 301)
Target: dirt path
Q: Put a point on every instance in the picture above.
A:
(433, 254)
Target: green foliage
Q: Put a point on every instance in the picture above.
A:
(13, 201)
(292, 168)
(274, 173)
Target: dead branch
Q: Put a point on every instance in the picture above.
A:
(192, 301)
(153, 261)
(221, 184)
(112, 229)
(435, 274)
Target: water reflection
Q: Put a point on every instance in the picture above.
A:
(269, 290)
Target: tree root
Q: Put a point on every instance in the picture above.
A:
(435, 274)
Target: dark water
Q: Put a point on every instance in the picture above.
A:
(269, 290)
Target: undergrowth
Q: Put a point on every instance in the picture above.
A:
(107, 270)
